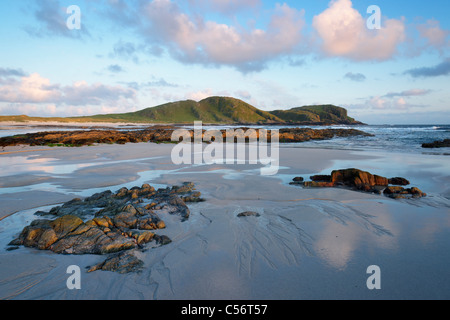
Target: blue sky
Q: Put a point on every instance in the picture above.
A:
(129, 55)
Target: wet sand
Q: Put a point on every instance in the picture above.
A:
(306, 244)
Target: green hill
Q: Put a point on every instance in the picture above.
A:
(214, 110)
(323, 114)
(223, 110)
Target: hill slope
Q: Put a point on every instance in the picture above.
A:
(215, 110)
(211, 110)
(323, 114)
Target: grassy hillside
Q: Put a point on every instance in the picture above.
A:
(24, 118)
(211, 110)
(220, 110)
(316, 114)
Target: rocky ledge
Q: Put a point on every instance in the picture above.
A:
(356, 179)
(156, 135)
(113, 224)
(437, 144)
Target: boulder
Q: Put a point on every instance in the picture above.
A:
(416, 192)
(142, 237)
(393, 190)
(248, 214)
(398, 192)
(123, 192)
(93, 241)
(364, 181)
(104, 222)
(359, 179)
(162, 240)
(314, 184)
(398, 181)
(122, 223)
(124, 262)
(127, 220)
(47, 238)
(65, 224)
(321, 178)
(437, 144)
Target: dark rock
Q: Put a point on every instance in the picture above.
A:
(416, 192)
(142, 237)
(122, 193)
(394, 190)
(123, 223)
(365, 181)
(162, 240)
(437, 144)
(125, 220)
(314, 184)
(402, 193)
(96, 197)
(157, 134)
(248, 214)
(321, 178)
(397, 181)
(64, 225)
(184, 189)
(298, 179)
(124, 262)
(359, 179)
(173, 204)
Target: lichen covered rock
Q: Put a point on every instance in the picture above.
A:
(107, 223)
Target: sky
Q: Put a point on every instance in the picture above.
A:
(387, 62)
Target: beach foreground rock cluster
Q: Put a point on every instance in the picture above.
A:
(158, 134)
(363, 181)
(107, 223)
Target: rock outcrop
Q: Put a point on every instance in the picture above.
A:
(356, 179)
(157, 135)
(108, 223)
(123, 262)
(437, 144)
(248, 214)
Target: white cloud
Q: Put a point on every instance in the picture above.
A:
(35, 93)
(183, 31)
(343, 33)
(408, 93)
(195, 40)
(32, 88)
(199, 95)
(226, 6)
(395, 101)
(435, 36)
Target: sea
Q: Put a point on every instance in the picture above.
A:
(395, 138)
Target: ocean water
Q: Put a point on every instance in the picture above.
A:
(396, 138)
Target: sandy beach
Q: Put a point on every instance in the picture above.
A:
(307, 243)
